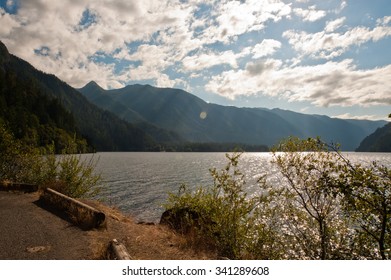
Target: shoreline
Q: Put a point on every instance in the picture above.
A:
(143, 241)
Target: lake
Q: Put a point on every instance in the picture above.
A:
(138, 183)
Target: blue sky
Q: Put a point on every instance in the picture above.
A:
(327, 57)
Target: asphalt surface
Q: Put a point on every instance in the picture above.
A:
(27, 231)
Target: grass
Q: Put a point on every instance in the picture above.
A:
(143, 242)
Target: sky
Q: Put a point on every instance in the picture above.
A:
(328, 57)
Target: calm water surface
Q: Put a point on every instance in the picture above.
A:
(138, 183)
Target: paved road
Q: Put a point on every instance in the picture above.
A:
(29, 232)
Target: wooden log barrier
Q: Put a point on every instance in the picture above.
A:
(118, 251)
(81, 214)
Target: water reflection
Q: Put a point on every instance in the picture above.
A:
(138, 183)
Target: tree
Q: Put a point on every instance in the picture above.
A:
(325, 208)
(366, 193)
(312, 214)
(18, 162)
(350, 203)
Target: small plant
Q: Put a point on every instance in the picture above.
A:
(71, 175)
(225, 215)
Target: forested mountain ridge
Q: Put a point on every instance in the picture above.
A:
(42, 109)
(379, 141)
(31, 116)
(198, 121)
(33, 89)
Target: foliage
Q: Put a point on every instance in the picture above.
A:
(325, 208)
(68, 173)
(228, 218)
(349, 204)
(366, 193)
(314, 218)
(18, 162)
(34, 117)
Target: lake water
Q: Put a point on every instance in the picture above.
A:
(138, 183)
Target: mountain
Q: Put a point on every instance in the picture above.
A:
(27, 95)
(33, 117)
(105, 102)
(348, 133)
(379, 141)
(198, 121)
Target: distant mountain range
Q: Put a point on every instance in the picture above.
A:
(41, 109)
(198, 121)
(379, 141)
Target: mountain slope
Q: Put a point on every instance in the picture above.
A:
(379, 141)
(198, 121)
(191, 117)
(98, 96)
(103, 129)
(33, 117)
(348, 133)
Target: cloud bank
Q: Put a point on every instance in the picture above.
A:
(291, 50)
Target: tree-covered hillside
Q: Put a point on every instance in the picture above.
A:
(198, 121)
(41, 108)
(379, 141)
(31, 116)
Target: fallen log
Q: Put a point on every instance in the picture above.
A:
(81, 214)
(118, 251)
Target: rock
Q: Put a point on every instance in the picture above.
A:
(182, 220)
(37, 249)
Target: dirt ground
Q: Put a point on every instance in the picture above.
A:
(28, 231)
(143, 241)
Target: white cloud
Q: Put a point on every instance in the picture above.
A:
(343, 5)
(329, 45)
(54, 25)
(333, 25)
(384, 21)
(310, 14)
(210, 59)
(153, 61)
(8, 23)
(265, 48)
(169, 36)
(168, 30)
(332, 83)
(234, 18)
(10, 3)
(350, 116)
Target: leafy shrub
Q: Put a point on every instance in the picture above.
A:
(67, 173)
(227, 217)
(325, 208)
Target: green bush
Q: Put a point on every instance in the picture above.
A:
(325, 208)
(227, 218)
(67, 173)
